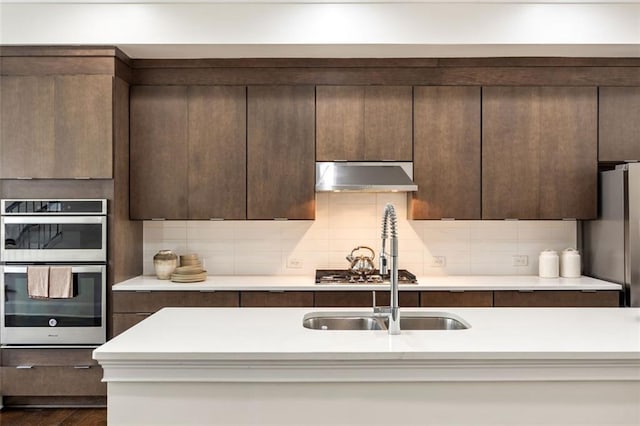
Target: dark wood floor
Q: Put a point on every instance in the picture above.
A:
(53, 417)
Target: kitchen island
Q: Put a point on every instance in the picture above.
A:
(261, 366)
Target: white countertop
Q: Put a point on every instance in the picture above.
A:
(229, 340)
(425, 283)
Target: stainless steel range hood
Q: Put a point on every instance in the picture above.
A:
(365, 177)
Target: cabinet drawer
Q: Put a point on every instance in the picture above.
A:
(558, 298)
(47, 357)
(258, 299)
(410, 299)
(122, 322)
(152, 301)
(53, 381)
(345, 299)
(456, 299)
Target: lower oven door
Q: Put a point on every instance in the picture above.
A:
(80, 319)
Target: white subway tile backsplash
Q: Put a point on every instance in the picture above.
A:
(354, 199)
(494, 230)
(211, 229)
(493, 269)
(305, 245)
(215, 245)
(346, 245)
(147, 266)
(218, 262)
(456, 269)
(263, 229)
(347, 220)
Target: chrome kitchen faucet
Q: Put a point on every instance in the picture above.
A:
(390, 220)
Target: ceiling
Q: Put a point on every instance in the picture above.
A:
(320, 28)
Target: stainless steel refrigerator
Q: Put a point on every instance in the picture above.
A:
(611, 244)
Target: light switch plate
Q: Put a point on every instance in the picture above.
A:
(520, 260)
(295, 263)
(438, 261)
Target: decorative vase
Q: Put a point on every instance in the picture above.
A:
(165, 262)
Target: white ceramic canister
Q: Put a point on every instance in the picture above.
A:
(570, 263)
(549, 264)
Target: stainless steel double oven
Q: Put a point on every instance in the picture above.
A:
(53, 232)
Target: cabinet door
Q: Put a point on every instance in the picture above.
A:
(57, 127)
(83, 127)
(158, 152)
(280, 147)
(557, 298)
(217, 152)
(539, 152)
(123, 322)
(410, 299)
(388, 121)
(619, 123)
(140, 302)
(27, 127)
(264, 299)
(344, 299)
(443, 299)
(446, 153)
(369, 123)
(340, 123)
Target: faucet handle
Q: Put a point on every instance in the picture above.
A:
(384, 267)
(381, 311)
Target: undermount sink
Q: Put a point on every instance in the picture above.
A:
(344, 322)
(364, 321)
(432, 323)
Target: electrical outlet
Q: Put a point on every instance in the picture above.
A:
(520, 260)
(295, 263)
(438, 261)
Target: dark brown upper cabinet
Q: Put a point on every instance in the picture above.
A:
(539, 152)
(619, 123)
(188, 147)
(158, 150)
(364, 123)
(217, 152)
(446, 153)
(280, 147)
(56, 127)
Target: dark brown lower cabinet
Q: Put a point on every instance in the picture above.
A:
(131, 307)
(276, 299)
(408, 299)
(152, 301)
(123, 322)
(51, 372)
(363, 299)
(557, 299)
(466, 299)
(344, 299)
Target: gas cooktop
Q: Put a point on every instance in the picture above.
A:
(341, 276)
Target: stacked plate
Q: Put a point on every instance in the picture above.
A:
(189, 271)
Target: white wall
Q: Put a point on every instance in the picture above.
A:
(344, 221)
(334, 29)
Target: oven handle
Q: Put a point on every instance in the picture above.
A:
(54, 219)
(74, 269)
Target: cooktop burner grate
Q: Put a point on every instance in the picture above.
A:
(341, 276)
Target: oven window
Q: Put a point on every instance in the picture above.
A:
(82, 310)
(52, 206)
(48, 236)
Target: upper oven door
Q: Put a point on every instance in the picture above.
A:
(53, 239)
